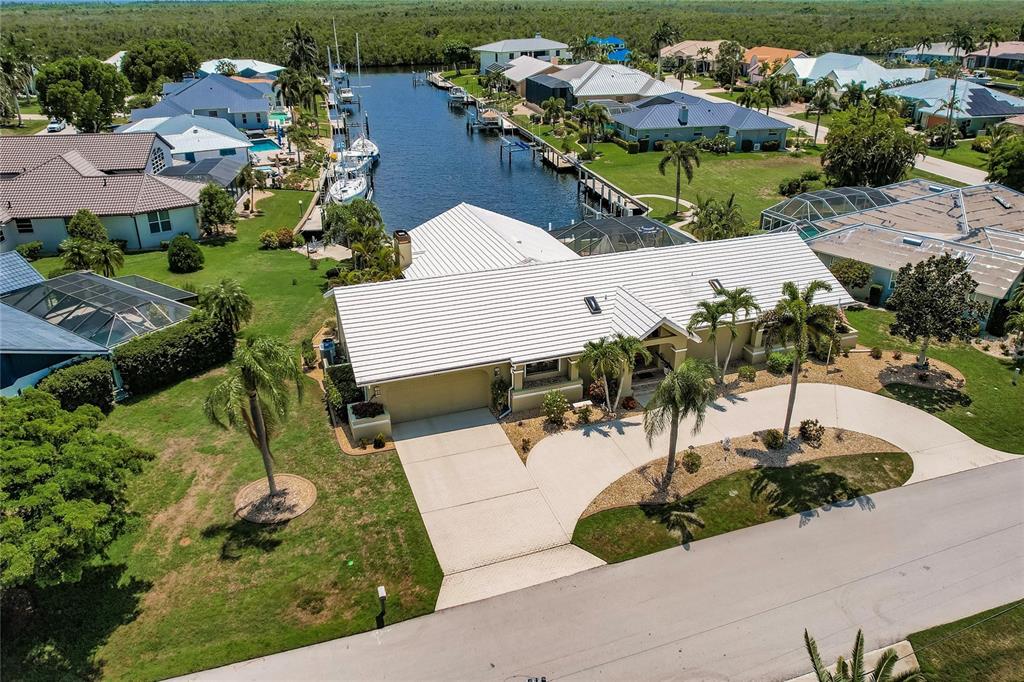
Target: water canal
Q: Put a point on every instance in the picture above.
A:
(429, 162)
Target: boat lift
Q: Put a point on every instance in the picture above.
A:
(511, 145)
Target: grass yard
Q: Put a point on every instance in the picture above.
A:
(925, 175)
(739, 500)
(469, 80)
(826, 120)
(663, 209)
(286, 292)
(986, 647)
(962, 153)
(753, 177)
(29, 127)
(989, 409)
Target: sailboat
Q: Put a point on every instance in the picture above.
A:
(349, 186)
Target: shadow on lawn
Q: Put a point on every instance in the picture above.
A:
(67, 624)
(802, 488)
(679, 517)
(241, 537)
(928, 399)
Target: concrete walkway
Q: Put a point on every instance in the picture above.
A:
(573, 467)
(492, 529)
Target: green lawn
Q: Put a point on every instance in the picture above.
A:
(739, 500)
(963, 154)
(986, 647)
(29, 127)
(470, 81)
(826, 120)
(915, 173)
(989, 409)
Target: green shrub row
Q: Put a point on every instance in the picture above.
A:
(30, 250)
(340, 389)
(162, 358)
(86, 383)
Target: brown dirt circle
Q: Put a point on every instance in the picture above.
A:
(295, 496)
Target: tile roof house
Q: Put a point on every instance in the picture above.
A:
(589, 81)
(756, 58)
(498, 54)
(244, 105)
(978, 106)
(682, 117)
(429, 346)
(248, 68)
(845, 69)
(1008, 54)
(694, 51)
(140, 152)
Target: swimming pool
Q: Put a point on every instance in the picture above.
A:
(264, 144)
(279, 117)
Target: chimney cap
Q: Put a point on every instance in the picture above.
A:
(402, 237)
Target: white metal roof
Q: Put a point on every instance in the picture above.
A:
(590, 79)
(521, 68)
(407, 328)
(468, 238)
(253, 65)
(522, 45)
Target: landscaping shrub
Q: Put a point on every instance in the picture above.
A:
(586, 155)
(851, 273)
(585, 415)
(810, 175)
(164, 244)
(876, 353)
(875, 294)
(285, 238)
(332, 273)
(770, 146)
(86, 383)
(340, 389)
(184, 255)
(633, 147)
(747, 146)
(790, 187)
(57, 272)
(30, 250)
(596, 392)
(555, 406)
(121, 244)
(691, 461)
(367, 410)
(719, 144)
(630, 403)
(811, 432)
(268, 239)
(621, 142)
(772, 439)
(897, 355)
(86, 225)
(747, 373)
(780, 363)
(379, 440)
(1003, 73)
(165, 357)
(308, 354)
(982, 143)
(298, 240)
(499, 393)
(659, 145)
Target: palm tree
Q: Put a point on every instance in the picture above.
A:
(822, 103)
(704, 56)
(923, 43)
(665, 34)
(854, 671)
(1002, 133)
(15, 75)
(254, 394)
(1015, 325)
(990, 38)
(604, 358)
(631, 348)
(714, 219)
(712, 314)
(685, 157)
(303, 53)
(879, 101)
(77, 254)
(227, 302)
(553, 108)
(685, 391)
(685, 70)
(962, 41)
(594, 116)
(735, 301)
(289, 82)
(106, 258)
(249, 179)
(310, 90)
(796, 319)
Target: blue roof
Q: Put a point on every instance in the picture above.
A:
(613, 41)
(662, 111)
(975, 100)
(215, 91)
(21, 332)
(16, 273)
(621, 55)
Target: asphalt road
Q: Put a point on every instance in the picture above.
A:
(732, 607)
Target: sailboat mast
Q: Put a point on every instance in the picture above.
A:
(359, 64)
(337, 54)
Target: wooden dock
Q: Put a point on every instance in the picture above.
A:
(438, 81)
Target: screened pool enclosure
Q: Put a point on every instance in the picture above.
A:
(823, 204)
(612, 235)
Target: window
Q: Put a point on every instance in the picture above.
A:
(259, 117)
(212, 114)
(892, 280)
(24, 225)
(245, 118)
(159, 162)
(543, 367)
(159, 221)
(230, 151)
(190, 157)
(511, 56)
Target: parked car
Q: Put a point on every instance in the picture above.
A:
(56, 125)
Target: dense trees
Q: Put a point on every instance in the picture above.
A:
(868, 147)
(1006, 163)
(145, 63)
(83, 91)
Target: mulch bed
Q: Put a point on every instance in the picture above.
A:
(295, 496)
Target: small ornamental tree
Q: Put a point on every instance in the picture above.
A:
(934, 300)
(1006, 163)
(184, 255)
(851, 273)
(85, 225)
(216, 208)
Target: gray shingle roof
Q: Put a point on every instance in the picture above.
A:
(663, 111)
(16, 273)
(129, 152)
(221, 170)
(21, 332)
(215, 91)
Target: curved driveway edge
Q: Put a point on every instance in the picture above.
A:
(573, 467)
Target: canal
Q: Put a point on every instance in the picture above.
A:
(429, 162)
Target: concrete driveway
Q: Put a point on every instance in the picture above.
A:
(491, 527)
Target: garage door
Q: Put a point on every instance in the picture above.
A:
(441, 394)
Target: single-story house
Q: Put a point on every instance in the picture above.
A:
(978, 107)
(248, 68)
(468, 238)
(1006, 55)
(682, 117)
(436, 345)
(243, 105)
(589, 81)
(757, 58)
(703, 53)
(193, 138)
(845, 69)
(134, 153)
(504, 51)
(938, 52)
(521, 68)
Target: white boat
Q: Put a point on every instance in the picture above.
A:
(363, 146)
(345, 95)
(353, 162)
(458, 95)
(348, 187)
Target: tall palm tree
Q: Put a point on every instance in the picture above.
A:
(312, 89)
(254, 395)
(685, 391)
(796, 319)
(106, 258)
(963, 42)
(854, 671)
(594, 116)
(879, 101)
(15, 75)
(631, 348)
(303, 53)
(227, 302)
(665, 34)
(684, 71)
(822, 103)
(736, 301)
(714, 316)
(289, 82)
(553, 108)
(990, 38)
(704, 56)
(604, 358)
(685, 157)
(923, 43)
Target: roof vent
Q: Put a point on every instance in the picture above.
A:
(913, 241)
(592, 305)
(716, 285)
(935, 188)
(1002, 202)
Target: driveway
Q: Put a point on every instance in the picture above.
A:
(491, 527)
(573, 467)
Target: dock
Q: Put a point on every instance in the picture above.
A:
(438, 81)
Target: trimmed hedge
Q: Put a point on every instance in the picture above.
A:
(30, 250)
(340, 389)
(162, 358)
(86, 383)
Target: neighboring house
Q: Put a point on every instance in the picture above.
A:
(142, 152)
(682, 117)
(468, 238)
(703, 53)
(500, 53)
(590, 81)
(614, 48)
(193, 138)
(1006, 55)
(938, 52)
(521, 68)
(247, 68)
(1016, 121)
(223, 171)
(243, 105)
(757, 58)
(978, 107)
(846, 69)
(431, 346)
